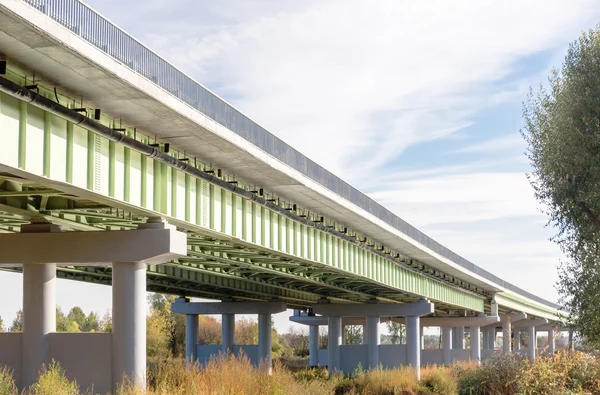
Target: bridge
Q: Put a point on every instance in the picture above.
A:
(116, 168)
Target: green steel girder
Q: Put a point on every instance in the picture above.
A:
(273, 249)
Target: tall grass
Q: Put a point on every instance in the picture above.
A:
(565, 373)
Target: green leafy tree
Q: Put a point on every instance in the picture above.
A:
(1, 325)
(77, 316)
(17, 324)
(92, 323)
(396, 331)
(62, 323)
(353, 334)
(562, 129)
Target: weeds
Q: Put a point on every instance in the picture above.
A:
(564, 373)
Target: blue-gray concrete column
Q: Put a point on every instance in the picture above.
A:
(460, 338)
(551, 345)
(313, 345)
(129, 322)
(447, 334)
(485, 338)
(475, 347)
(571, 340)
(334, 339)
(227, 332)
(39, 319)
(492, 338)
(531, 351)
(413, 349)
(264, 339)
(191, 337)
(506, 339)
(373, 342)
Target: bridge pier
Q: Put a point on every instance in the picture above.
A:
(39, 318)
(93, 359)
(258, 355)
(373, 313)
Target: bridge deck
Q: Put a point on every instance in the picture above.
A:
(123, 78)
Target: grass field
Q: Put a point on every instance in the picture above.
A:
(566, 373)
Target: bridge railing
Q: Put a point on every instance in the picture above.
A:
(95, 29)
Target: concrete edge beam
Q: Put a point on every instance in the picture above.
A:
(454, 321)
(528, 323)
(204, 308)
(556, 328)
(150, 246)
(322, 320)
(375, 309)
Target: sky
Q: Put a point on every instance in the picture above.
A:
(417, 104)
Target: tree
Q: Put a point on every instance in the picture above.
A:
(353, 334)
(77, 316)
(397, 332)
(1, 325)
(209, 331)
(562, 130)
(62, 323)
(92, 323)
(17, 324)
(106, 323)
(246, 332)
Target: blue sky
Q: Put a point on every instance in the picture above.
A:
(416, 103)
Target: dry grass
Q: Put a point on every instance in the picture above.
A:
(565, 373)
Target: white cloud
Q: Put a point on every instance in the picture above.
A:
(353, 84)
(511, 142)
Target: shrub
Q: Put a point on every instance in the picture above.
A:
(53, 381)
(438, 381)
(7, 383)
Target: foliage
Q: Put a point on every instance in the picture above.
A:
(353, 334)
(562, 129)
(53, 381)
(1, 325)
(297, 340)
(17, 324)
(566, 373)
(7, 383)
(397, 332)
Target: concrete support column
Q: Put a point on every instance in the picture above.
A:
(39, 318)
(475, 349)
(129, 322)
(517, 339)
(447, 333)
(334, 339)
(373, 342)
(506, 340)
(413, 350)
(551, 345)
(227, 332)
(460, 338)
(264, 340)
(571, 340)
(365, 335)
(313, 345)
(491, 338)
(191, 337)
(486, 341)
(532, 343)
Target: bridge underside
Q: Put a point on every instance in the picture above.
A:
(217, 267)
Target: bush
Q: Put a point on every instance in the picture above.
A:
(7, 383)
(53, 381)
(438, 381)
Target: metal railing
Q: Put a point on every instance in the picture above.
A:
(95, 29)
